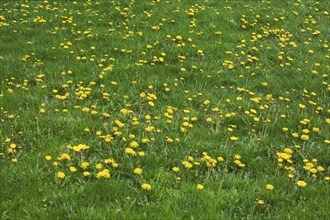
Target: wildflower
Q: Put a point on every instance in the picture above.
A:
(220, 159)
(295, 135)
(86, 173)
(200, 187)
(260, 202)
(146, 186)
(48, 157)
(178, 37)
(134, 144)
(290, 175)
(138, 171)
(103, 174)
(84, 165)
(98, 166)
(72, 169)
(187, 164)
(304, 137)
(64, 156)
(237, 156)
(61, 175)
(288, 151)
(301, 183)
(130, 151)
(175, 169)
(315, 129)
(141, 153)
(313, 170)
(269, 187)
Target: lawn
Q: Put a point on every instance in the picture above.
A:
(159, 109)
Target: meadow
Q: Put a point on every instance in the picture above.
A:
(158, 109)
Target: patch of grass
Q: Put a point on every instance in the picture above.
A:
(164, 109)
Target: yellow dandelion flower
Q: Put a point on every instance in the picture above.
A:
(146, 186)
(134, 144)
(84, 165)
(130, 151)
(269, 187)
(72, 169)
(200, 187)
(61, 175)
(260, 202)
(98, 166)
(301, 183)
(175, 169)
(304, 137)
(138, 171)
(86, 173)
(220, 159)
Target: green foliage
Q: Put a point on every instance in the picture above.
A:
(164, 109)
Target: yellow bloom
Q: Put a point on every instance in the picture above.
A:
(130, 151)
(288, 151)
(301, 183)
(48, 157)
(290, 175)
(200, 187)
(187, 164)
(269, 187)
(103, 174)
(237, 156)
(315, 129)
(134, 144)
(98, 166)
(178, 37)
(146, 186)
(138, 171)
(60, 175)
(84, 165)
(260, 202)
(64, 156)
(304, 137)
(175, 169)
(313, 170)
(72, 169)
(141, 153)
(220, 159)
(86, 173)
(295, 135)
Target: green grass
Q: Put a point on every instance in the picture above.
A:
(189, 82)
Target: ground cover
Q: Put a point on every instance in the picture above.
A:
(164, 109)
